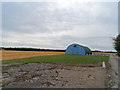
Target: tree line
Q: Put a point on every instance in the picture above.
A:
(30, 49)
(38, 49)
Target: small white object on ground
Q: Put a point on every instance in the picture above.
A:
(103, 64)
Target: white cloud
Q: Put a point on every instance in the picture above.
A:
(62, 1)
(56, 25)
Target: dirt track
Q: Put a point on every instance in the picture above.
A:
(45, 75)
(10, 55)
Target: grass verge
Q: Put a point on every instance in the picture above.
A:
(62, 59)
(3, 84)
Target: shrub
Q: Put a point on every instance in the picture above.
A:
(117, 44)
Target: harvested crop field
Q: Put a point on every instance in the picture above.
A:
(103, 53)
(10, 55)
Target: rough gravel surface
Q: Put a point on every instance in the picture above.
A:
(45, 75)
(113, 71)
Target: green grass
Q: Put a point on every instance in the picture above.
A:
(62, 59)
(3, 84)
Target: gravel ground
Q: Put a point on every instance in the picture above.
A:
(113, 72)
(45, 75)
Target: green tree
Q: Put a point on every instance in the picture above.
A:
(117, 44)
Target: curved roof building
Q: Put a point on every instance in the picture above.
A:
(78, 49)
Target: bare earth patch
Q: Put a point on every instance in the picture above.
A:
(45, 75)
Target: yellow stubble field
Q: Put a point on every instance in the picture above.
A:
(11, 55)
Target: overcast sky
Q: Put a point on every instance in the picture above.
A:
(58, 24)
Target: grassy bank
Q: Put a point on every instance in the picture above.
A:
(62, 59)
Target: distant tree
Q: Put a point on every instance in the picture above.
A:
(29, 49)
(117, 44)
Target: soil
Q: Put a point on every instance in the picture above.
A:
(45, 75)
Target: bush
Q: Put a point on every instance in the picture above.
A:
(117, 44)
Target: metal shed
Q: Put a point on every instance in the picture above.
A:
(78, 49)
